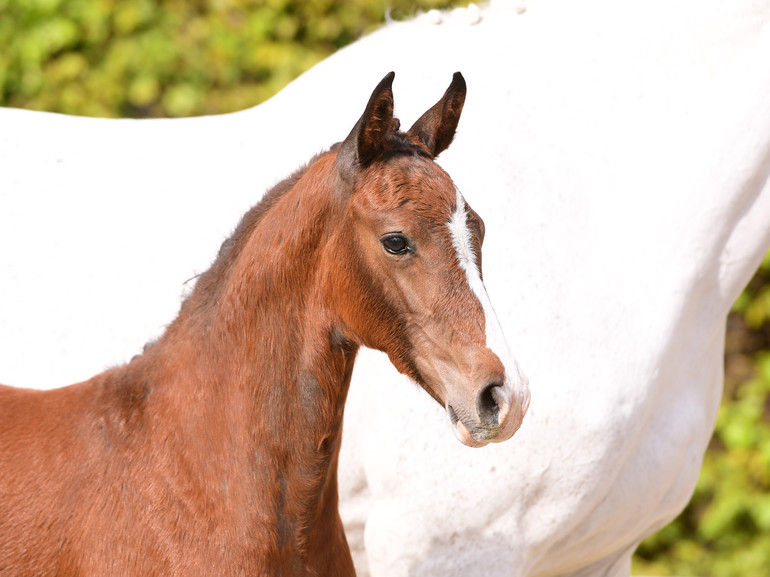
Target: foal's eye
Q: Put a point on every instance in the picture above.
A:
(395, 244)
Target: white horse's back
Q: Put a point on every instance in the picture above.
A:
(619, 156)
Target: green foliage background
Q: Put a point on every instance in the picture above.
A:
(156, 58)
(165, 58)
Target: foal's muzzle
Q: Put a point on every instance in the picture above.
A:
(495, 416)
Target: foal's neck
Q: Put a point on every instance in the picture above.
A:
(255, 345)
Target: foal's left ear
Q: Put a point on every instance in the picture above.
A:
(436, 128)
(366, 139)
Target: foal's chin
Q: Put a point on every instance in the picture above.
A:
(477, 435)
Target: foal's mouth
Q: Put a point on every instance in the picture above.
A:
(475, 436)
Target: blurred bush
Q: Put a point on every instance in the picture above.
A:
(725, 530)
(155, 58)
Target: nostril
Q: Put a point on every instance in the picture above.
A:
(488, 403)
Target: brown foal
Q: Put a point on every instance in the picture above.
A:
(214, 452)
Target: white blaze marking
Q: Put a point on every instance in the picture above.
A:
(463, 243)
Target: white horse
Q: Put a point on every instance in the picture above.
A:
(619, 154)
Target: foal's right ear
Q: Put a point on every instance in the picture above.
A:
(366, 139)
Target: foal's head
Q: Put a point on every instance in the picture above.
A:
(406, 263)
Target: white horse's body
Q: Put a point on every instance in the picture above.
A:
(619, 156)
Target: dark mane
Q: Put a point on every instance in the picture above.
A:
(398, 143)
(208, 281)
